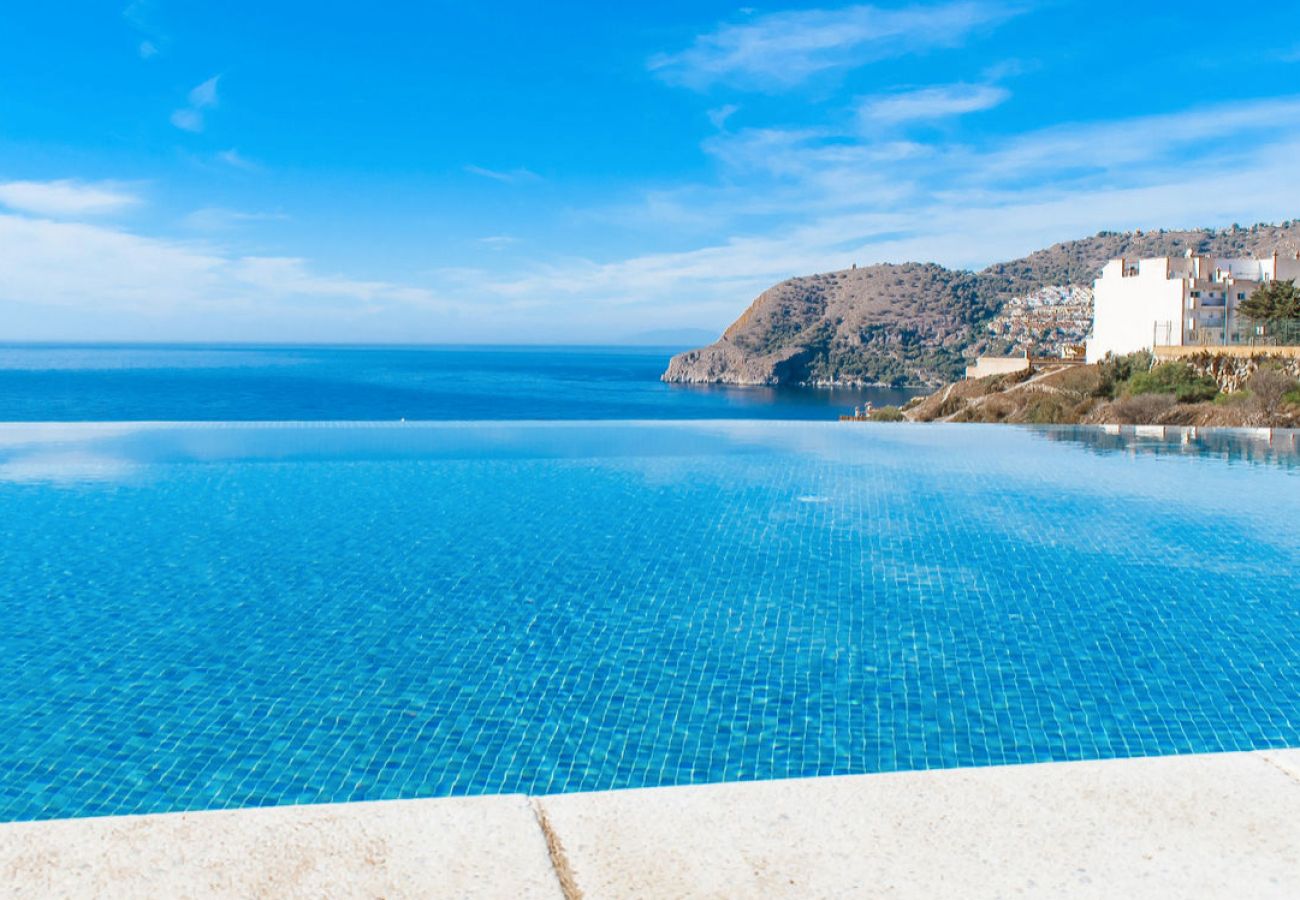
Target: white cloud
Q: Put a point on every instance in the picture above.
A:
(204, 95)
(140, 16)
(113, 277)
(928, 104)
(215, 218)
(201, 96)
(1125, 143)
(839, 198)
(783, 49)
(188, 120)
(513, 176)
(235, 159)
(719, 116)
(65, 198)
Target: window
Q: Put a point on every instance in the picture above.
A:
(1196, 293)
(1241, 295)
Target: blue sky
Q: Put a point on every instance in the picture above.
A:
(583, 172)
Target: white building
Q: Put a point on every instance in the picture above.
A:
(1176, 300)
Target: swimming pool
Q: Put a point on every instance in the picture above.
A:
(205, 616)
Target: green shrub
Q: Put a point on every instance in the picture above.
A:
(1237, 398)
(1177, 378)
(1114, 372)
(887, 414)
(1047, 409)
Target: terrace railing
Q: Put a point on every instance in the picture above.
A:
(1246, 333)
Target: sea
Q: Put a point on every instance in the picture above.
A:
(68, 383)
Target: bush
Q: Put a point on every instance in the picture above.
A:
(1047, 409)
(1143, 409)
(887, 414)
(1177, 378)
(1114, 372)
(1269, 388)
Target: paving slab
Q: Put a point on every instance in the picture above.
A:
(1286, 760)
(1219, 825)
(470, 847)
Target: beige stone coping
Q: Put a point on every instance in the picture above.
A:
(1223, 825)
(457, 847)
(1216, 825)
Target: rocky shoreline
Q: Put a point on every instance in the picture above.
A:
(920, 324)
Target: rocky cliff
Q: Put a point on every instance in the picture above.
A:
(919, 323)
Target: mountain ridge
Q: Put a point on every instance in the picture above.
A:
(920, 323)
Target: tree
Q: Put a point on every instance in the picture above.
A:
(1272, 301)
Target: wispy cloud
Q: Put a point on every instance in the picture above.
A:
(498, 241)
(929, 104)
(719, 116)
(201, 97)
(65, 198)
(512, 176)
(840, 197)
(783, 49)
(237, 160)
(216, 218)
(107, 271)
(139, 14)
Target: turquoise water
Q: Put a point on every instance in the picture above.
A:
(207, 616)
(87, 383)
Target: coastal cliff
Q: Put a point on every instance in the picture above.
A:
(920, 323)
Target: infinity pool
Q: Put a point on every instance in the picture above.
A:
(204, 616)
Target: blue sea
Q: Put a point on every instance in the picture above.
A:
(250, 383)
(202, 615)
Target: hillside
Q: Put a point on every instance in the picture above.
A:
(1205, 390)
(919, 323)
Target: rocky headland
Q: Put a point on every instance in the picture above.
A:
(921, 323)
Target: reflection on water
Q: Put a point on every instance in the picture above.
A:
(93, 452)
(1261, 446)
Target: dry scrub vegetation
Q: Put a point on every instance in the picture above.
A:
(1128, 390)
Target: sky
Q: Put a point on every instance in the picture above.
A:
(446, 172)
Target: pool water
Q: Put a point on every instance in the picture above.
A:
(207, 616)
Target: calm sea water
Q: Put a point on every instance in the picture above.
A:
(208, 615)
(240, 383)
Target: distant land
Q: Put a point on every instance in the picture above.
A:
(920, 323)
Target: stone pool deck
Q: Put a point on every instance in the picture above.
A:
(1215, 825)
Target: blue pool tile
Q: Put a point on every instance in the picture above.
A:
(207, 617)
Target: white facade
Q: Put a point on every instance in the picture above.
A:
(1175, 300)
